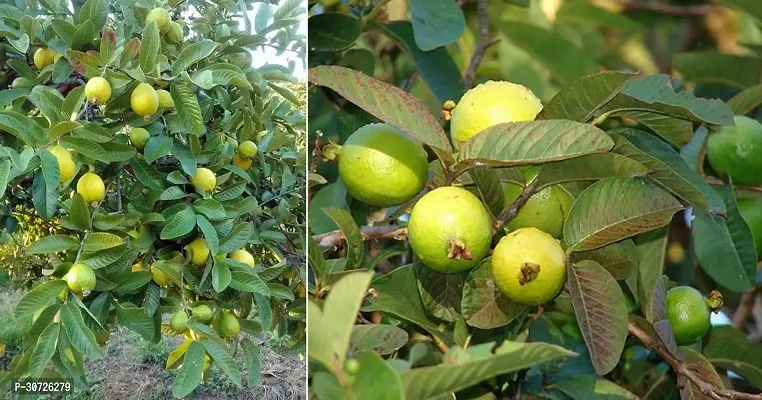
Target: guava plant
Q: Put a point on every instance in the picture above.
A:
(169, 172)
(502, 207)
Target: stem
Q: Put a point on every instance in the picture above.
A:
(667, 9)
(514, 208)
(719, 182)
(333, 239)
(683, 371)
(482, 45)
(119, 193)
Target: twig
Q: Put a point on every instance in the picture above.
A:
(514, 208)
(667, 9)
(482, 45)
(333, 239)
(520, 378)
(316, 151)
(719, 182)
(119, 193)
(684, 371)
(374, 12)
(744, 308)
(410, 81)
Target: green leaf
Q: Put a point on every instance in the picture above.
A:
(172, 193)
(436, 23)
(81, 337)
(591, 387)
(676, 131)
(579, 100)
(332, 31)
(211, 208)
(488, 185)
(601, 313)
(651, 248)
(39, 297)
(223, 359)
(53, 244)
(704, 369)
(376, 379)
(45, 186)
(383, 339)
(472, 368)
(440, 293)
(636, 206)
(44, 350)
(437, 68)
(136, 320)
(190, 373)
(567, 61)
(180, 225)
(210, 234)
(97, 241)
(186, 158)
(150, 43)
(251, 352)
(237, 238)
(655, 93)
(265, 311)
(386, 102)
(84, 63)
(191, 54)
(157, 147)
(668, 169)
(397, 294)
(117, 152)
(712, 67)
(245, 279)
(619, 259)
(483, 305)
(221, 74)
(591, 167)
(535, 142)
(5, 169)
(351, 233)
(85, 146)
(147, 174)
(725, 248)
(22, 127)
(728, 348)
(95, 11)
(83, 38)
(329, 330)
(220, 277)
(746, 101)
(187, 108)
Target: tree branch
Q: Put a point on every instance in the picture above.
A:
(744, 307)
(514, 208)
(683, 371)
(667, 9)
(333, 239)
(482, 45)
(719, 182)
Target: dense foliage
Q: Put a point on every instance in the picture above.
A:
(630, 91)
(124, 188)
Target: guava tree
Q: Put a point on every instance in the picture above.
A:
(501, 207)
(168, 172)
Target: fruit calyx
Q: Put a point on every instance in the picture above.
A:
(529, 272)
(459, 250)
(714, 301)
(447, 108)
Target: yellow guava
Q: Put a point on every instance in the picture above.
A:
(139, 137)
(450, 230)
(98, 90)
(243, 256)
(489, 104)
(91, 187)
(80, 278)
(197, 252)
(144, 100)
(65, 162)
(529, 266)
(381, 166)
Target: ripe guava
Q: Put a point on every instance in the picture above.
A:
(529, 266)
(450, 230)
(489, 104)
(382, 166)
